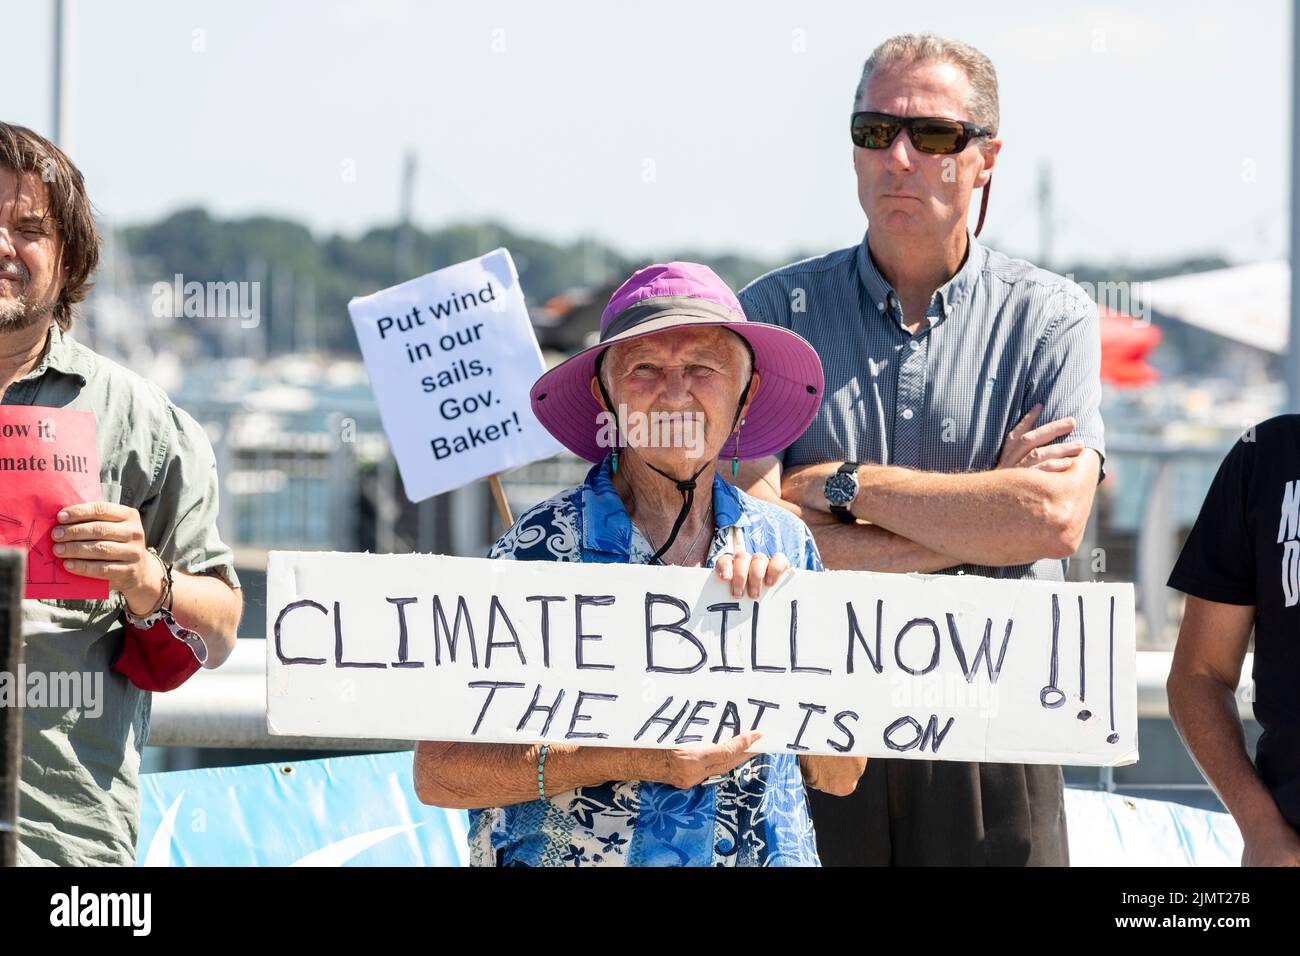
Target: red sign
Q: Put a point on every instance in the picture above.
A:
(48, 459)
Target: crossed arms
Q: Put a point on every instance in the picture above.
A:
(1033, 505)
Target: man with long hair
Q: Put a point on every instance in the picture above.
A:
(174, 603)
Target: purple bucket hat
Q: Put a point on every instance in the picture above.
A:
(685, 295)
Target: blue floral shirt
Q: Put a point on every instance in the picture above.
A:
(755, 815)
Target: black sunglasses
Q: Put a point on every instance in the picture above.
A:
(929, 134)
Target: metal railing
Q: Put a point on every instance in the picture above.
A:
(296, 482)
(1173, 480)
(226, 707)
(290, 488)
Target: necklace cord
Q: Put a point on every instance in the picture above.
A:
(686, 485)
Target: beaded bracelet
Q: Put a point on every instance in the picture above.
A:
(541, 766)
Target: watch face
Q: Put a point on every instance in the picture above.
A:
(841, 489)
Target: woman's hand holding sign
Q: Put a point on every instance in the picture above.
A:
(684, 767)
(496, 774)
(748, 573)
(687, 767)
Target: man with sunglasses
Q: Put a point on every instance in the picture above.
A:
(959, 430)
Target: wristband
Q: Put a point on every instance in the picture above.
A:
(165, 598)
(541, 766)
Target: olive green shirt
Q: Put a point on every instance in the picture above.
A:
(79, 797)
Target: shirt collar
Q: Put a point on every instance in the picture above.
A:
(951, 294)
(62, 354)
(607, 527)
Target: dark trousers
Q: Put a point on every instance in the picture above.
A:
(945, 813)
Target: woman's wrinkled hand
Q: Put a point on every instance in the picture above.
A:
(688, 767)
(751, 573)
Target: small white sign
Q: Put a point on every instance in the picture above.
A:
(937, 667)
(451, 357)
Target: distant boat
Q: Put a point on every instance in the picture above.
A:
(1125, 344)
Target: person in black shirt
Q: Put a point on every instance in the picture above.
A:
(1240, 569)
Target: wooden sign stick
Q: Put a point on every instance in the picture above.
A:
(499, 494)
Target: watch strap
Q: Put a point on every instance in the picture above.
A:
(843, 512)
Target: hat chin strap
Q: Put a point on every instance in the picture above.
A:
(687, 488)
(984, 206)
(684, 485)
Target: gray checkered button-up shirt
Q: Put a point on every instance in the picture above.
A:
(1003, 336)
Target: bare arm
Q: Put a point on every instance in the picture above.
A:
(101, 539)
(1202, 686)
(470, 776)
(843, 547)
(834, 775)
(868, 547)
(1034, 505)
(208, 606)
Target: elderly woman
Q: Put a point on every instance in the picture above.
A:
(677, 360)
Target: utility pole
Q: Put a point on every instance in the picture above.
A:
(428, 511)
(1046, 224)
(60, 120)
(404, 263)
(1293, 343)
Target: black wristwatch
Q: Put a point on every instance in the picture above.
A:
(841, 489)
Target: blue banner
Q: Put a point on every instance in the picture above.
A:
(343, 811)
(363, 811)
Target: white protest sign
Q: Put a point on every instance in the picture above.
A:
(426, 647)
(451, 357)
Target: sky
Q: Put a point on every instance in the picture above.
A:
(714, 126)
